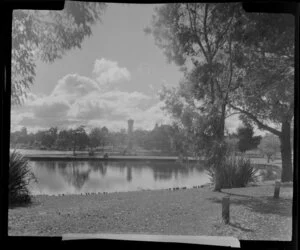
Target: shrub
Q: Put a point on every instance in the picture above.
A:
(236, 171)
(20, 176)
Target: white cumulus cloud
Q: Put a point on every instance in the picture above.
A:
(74, 85)
(80, 100)
(107, 71)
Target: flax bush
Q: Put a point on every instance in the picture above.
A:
(20, 175)
(235, 171)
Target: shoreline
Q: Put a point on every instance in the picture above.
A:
(48, 157)
(101, 158)
(83, 156)
(207, 187)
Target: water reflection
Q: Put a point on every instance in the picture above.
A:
(74, 173)
(128, 174)
(74, 177)
(100, 167)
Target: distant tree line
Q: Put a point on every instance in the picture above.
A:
(163, 139)
(96, 139)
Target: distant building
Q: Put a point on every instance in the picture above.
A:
(130, 126)
(130, 134)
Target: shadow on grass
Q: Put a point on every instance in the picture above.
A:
(26, 204)
(262, 205)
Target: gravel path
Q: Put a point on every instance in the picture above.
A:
(254, 213)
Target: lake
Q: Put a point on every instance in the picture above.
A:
(80, 177)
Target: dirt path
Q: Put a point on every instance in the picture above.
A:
(254, 213)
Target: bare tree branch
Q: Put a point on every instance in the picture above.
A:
(234, 113)
(258, 122)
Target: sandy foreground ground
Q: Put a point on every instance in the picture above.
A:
(254, 213)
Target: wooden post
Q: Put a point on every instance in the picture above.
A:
(225, 209)
(277, 189)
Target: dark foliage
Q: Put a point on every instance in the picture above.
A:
(20, 176)
(246, 139)
(235, 171)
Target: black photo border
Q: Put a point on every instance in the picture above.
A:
(7, 7)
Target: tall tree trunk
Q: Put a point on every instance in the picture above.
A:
(220, 154)
(286, 152)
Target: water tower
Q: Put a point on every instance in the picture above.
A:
(130, 127)
(130, 134)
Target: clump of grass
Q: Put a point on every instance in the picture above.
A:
(235, 171)
(20, 175)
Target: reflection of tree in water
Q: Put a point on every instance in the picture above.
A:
(74, 173)
(119, 165)
(49, 165)
(129, 174)
(165, 171)
(162, 175)
(161, 170)
(139, 169)
(122, 166)
(61, 164)
(98, 166)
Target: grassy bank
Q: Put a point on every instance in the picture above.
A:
(254, 213)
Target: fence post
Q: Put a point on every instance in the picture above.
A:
(277, 189)
(225, 209)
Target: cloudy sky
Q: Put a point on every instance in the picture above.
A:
(116, 75)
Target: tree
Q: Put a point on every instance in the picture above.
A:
(79, 138)
(49, 138)
(198, 37)
(95, 137)
(30, 139)
(113, 140)
(104, 136)
(119, 138)
(64, 139)
(38, 137)
(19, 136)
(160, 138)
(232, 142)
(163, 137)
(246, 139)
(140, 138)
(232, 62)
(269, 145)
(46, 36)
(266, 98)
(180, 142)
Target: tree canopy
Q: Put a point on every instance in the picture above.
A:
(232, 61)
(247, 140)
(266, 97)
(46, 36)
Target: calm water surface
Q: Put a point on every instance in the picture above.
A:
(76, 177)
